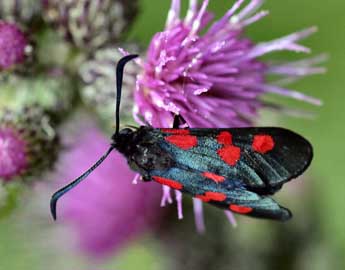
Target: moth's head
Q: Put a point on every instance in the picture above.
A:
(122, 138)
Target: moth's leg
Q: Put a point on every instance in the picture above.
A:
(178, 121)
(146, 178)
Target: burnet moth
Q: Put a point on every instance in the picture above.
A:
(232, 168)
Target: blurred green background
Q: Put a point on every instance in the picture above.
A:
(314, 239)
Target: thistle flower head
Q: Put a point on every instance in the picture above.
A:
(210, 72)
(13, 44)
(13, 155)
(28, 144)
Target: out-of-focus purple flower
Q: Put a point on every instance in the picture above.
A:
(28, 143)
(212, 75)
(13, 155)
(108, 211)
(13, 44)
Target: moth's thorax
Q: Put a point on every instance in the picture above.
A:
(142, 150)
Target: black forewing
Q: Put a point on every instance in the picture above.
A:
(262, 173)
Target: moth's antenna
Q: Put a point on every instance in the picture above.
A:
(56, 196)
(119, 76)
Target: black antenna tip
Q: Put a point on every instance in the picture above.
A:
(128, 57)
(53, 202)
(58, 194)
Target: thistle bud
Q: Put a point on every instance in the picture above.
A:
(28, 143)
(19, 11)
(53, 91)
(99, 78)
(90, 24)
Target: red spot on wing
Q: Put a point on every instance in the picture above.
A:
(240, 209)
(212, 196)
(215, 177)
(184, 142)
(215, 196)
(175, 131)
(224, 137)
(230, 154)
(263, 143)
(168, 182)
(203, 198)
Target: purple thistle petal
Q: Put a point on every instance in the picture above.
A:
(284, 43)
(231, 218)
(199, 216)
(197, 22)
(217, 26)
(291, 93)
(251, 8)
(295, 71)
(166, 197)
(288, 111)
(178, 196)
(299, 68)
(191, 13)
(174, 13)
(257, 17)
(136, 179)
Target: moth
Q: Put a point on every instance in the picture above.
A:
(237, 169)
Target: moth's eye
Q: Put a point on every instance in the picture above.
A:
(125, 131)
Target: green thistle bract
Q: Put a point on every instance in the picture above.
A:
(20, 11)
(53, 91)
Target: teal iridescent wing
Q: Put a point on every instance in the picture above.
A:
(234, 168)
(229, 194)
(262, 158)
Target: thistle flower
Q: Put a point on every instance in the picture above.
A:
(90, 24)
(13, 45)
(109, 211)
(12, 152)
(211, 74)
(99, 78)
(28, 143)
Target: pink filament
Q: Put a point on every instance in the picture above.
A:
(166, 196)
(199, 216)
(231, 218)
